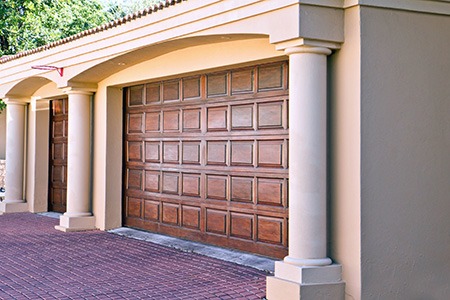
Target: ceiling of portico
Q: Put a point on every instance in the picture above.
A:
(26, 87)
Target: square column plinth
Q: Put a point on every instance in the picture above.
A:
(305, 282)
(13, 207)
(69, 224)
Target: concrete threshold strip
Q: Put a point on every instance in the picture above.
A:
(241, 258)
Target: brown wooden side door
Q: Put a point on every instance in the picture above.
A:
(58, 155)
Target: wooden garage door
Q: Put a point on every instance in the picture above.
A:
(206, 158)
(58, 155)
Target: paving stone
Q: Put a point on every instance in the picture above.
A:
(39, 262)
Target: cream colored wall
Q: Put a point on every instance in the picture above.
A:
(405, 162)
(108, 112)
(3, 134)
(345, 157)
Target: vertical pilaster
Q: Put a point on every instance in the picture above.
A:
(15, 147)
(307, 272)
(78, 215)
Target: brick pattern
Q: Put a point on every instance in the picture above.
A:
(2, 172)
(38, 262)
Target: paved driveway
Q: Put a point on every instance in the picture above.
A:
(39, 262)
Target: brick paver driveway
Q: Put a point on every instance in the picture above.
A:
(39, 262)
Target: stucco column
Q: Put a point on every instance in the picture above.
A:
(15, 143)
(307, 272)
(78, 215)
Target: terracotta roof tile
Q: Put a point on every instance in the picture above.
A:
(112, 24)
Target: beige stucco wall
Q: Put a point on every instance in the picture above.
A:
(2, 134)
(405, 165)
(344, 155)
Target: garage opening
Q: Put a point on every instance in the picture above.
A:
(206, 158)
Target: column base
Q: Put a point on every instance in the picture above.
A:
(69, 224)
(13, 207)
(306, 283)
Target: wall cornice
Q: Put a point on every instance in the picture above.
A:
(441, 7)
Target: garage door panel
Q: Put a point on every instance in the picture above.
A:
(151, 210)
(153, 152)
(171, 121)
(152, 121)
(206, 158)
(242, 117)
(170, 183)
(191, 152)
(192, 119)
(171, 91)
(242, 81)
(171, 152)
(217, 118)
(217, 187)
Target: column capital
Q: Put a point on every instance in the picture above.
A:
(78, 91)
(16, 101)
(307, 49)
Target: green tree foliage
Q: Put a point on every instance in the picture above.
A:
(27, 24)
(121, 8)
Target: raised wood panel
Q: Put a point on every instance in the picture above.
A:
(270, 115)
(241, 117)
(191, 88)
(152, 121)
(58, 129)
(216, 221)
(217, 153)
(135, 179)
(191, 119)
(58, 107)
(57, 174)
(152, 181)
(270, 230)
(270, 153)
(152, 151)
(170, 213)
(242, 153)
(191, 152)
(217, 118)
(171, 121)
(217, 85)
(58, 150)
(135, 123)
(191, 185)
(270, 77)
(242, 81)
(136, 95)
(270, 191)
(153, 93)
(151, 210)
(171, 152)
(241, 225)
(171, 182)
(242, 189)
(207, 158)
(171, 90)
(191, 216)
(216, 187)
(134, 151)
(134, 207)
